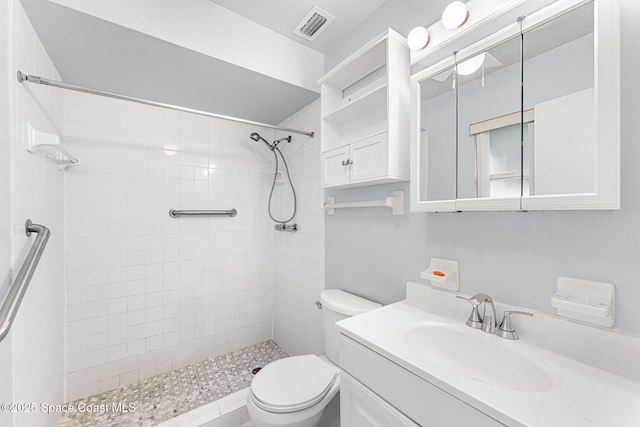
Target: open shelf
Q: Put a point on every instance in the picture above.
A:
(370, 57)
(375, 98)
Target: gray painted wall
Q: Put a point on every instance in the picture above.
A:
(516, 257)
(5, 206)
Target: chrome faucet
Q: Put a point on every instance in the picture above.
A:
(488, 320)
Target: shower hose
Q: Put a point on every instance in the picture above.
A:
(273, 185)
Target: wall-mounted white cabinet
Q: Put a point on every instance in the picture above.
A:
(365, 115)
(497, 127)
(362, 161)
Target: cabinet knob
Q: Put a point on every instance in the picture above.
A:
(347, 162)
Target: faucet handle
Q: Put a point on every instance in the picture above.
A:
(471, 301)
(474, 320)
(505, 330)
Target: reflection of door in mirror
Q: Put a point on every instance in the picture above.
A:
(437, 148)
(489, 140)
(558, 86)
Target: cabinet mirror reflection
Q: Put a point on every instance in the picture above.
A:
(558, 90)
(437, 136)
(489, 143)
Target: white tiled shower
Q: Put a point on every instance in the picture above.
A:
(299, 257)
(37, 193)
(124, 291)
(147, 293)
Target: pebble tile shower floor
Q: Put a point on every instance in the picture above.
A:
(170, 394)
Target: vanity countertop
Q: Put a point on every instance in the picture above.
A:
(590, 376)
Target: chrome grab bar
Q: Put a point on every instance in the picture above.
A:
(19, 286)
(173, 213)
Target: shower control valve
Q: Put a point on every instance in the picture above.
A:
(286, 227)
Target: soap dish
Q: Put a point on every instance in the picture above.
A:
(585, 300)
(443, 274)
(48, 144)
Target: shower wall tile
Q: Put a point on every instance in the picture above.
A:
(299, 257)
(147, 293)
(37, 194)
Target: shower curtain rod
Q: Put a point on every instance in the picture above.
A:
(42, 81)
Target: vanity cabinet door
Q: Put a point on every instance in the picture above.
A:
(360, 407)
(407, 393)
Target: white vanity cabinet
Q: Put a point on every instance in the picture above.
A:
(374, 391)
(363, 408)
(365, 115)
(415, 362)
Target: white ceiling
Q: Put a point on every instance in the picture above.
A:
(282, 16)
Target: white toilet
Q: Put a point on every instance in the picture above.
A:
(296, 391)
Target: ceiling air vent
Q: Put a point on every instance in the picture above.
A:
(313, 23)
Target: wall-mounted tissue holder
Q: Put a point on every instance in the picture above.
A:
(443, 274)
(587, 301)
(49, 144)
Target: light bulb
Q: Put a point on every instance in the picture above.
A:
(471, 65)
(455, 15)
(418, 38)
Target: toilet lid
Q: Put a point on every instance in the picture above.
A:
(292, 384)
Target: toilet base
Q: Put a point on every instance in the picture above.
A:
(331, 417)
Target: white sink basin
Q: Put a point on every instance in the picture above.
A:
(477, 355)
(558, 374)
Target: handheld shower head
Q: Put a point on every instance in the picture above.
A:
(256, 137)
(274, 149)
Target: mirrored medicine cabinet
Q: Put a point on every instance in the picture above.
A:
(526, 119)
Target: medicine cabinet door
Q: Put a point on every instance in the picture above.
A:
(490, 135)
(571, 85)
(434, 127)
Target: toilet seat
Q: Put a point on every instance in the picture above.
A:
(292, 384)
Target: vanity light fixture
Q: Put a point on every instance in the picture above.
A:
(455, 15)
(418, 38)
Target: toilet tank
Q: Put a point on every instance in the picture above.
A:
(338, 305)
